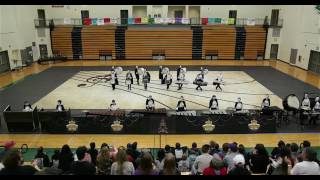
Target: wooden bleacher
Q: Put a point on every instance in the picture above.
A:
(255, 42)
(174, 43)
(62, 41)
(98, 40)
(220, 39)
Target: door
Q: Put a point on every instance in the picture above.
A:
(43, 51)
(124, 17)
(233, 14)
(274, 17)
(274, 51)
(4, 61)
(293, 56)
(42, 17)
(178, 14)
(314, 61)
(84, 15)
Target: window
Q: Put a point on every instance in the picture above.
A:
(276, 32)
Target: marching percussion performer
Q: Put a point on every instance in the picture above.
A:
(178, 71)
(59, 106)
(199, 81)
(238, 105)
(113, 80)
(150, 104)
(137, 74)
(315, 109)
(146, 79)
(168, 79)
(181, 106)
(113, 70)
(213, 104)
(113, 106)
(316, 106)
(129, 79)
(27, 107)
(161, 75)
(219, 81)
(305, 105)
(180, 79)
(266, 102)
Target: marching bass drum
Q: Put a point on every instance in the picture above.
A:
(291, 103)
(141, 71)
(165, 70)
(118, 70)
(205, 71)
(183, 70)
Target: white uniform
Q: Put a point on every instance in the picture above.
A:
(306, 104)
(113, 78)
(113, 107)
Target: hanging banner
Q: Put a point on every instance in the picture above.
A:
(158, 20)
(137, 20)
(144, 20)
(211, 20)
(100, 22)
(94, 21)
(131, 20)
(251, 22)
(106, 20)
(204, 21)
(113, 20)
(185, 21)
(87, 21)
(224, 21)
(178, 20)
(231, 21)
(67, 21)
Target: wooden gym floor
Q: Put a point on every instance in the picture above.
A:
(153, 141)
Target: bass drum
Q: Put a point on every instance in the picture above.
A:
(291, 103)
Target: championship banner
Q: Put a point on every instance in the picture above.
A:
(87, 21)
(144, 20)
(185, 21)
(137, 20)
(251, 22)
(106, 20)
(94, 21)
(131, 20)
(224, 21)
(170, 20)
(113, 20)
(211, 20)
(231, 21)
(67, 21)
(178, 20)
(204, 21)
(100, 22)
(158, 21)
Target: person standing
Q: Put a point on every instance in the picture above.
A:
(137, 74)
(168, 79)
(129, 79)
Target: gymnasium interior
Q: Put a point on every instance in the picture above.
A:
(83, 76)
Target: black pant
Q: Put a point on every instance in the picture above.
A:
(218, 86)
(137, 77)
(113, 86)
(303, 117)
(168, 85)
(180, 86)
(129, 86)
(145, 86)
(199, 86)
(181, 109)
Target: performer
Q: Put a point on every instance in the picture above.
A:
(113, 106)
(305, 109)
(113, 80)
(137, 74)
(306, 105)
(199, 81)
(27, 107)
(180, 79)
(315, 109)
(116, 75)
(266, 102)
(238, 105)
(219, 81)
(146, 79)
(129, 79)
(150, 104)
(181, 106)
(202, 72)
(161, 75)
(59, 106)
(213, 104)
(168, 79)
(178, 71)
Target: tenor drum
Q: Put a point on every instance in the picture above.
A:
(291, 103)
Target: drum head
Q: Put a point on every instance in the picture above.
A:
(291, 102)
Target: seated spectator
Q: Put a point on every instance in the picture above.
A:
(259, 160)
(178, 152)
(279, 166)
(191, 159)
(308, 166)
(225, 149)
(65, 158)
(55, 159)
(13, 165)
(49, 171)
(228, 158)
(136, 153)
(303, 145)
(122, 166)
(294, 148)
(7, 147)
(93, 153)
(242, 150)
(169, 167)
(216, 167)
(195, 148)
(276, 150)
(146, 166)
(202, 161)
(239, 168)
(183, 164)
(214, 148)
(82, 166)
(160, 159)
(104, 162)
(42, 159)
(104, 145)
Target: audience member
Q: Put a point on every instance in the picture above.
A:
(55, 159)
(122, 166)
(160, 159)
(202, 161)
(146, 166)
(104, 162)
(7, 147)
(228, 158)
(239, 168)
(93, 153)
(65, 158)
(169, 167)
(183, 164)
(13, 165)
(83, 166)
(42, 159)
(308, 166)
(216, 167)
(178, 152)
(259, 160)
